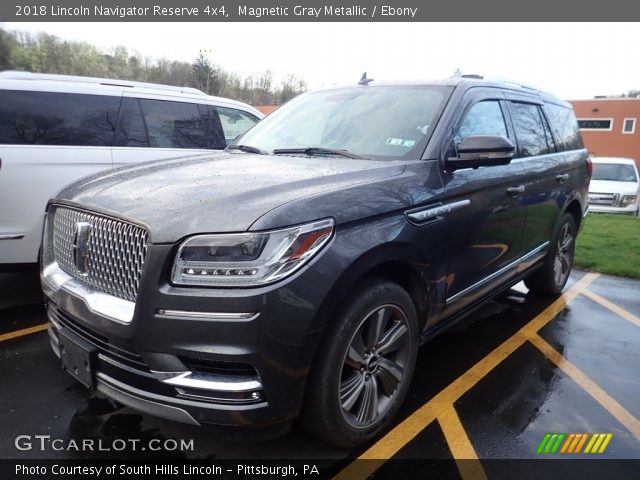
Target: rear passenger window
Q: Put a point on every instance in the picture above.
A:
(564, 127)
(484, 118)
(174, 124)
(48, 118)
(235, 122)
(530, 129)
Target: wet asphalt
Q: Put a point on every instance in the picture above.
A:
(505, 414)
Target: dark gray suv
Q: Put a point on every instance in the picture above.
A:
(296, 275)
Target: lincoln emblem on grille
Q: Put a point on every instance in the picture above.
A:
(81, 247)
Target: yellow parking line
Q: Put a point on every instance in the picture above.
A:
(405, 431)
(24, 331)
(630, 422)
(613, 307)
(461, 448)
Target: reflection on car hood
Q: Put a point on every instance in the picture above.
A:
(217, 193)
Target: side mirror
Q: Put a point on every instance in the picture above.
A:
(482, 151)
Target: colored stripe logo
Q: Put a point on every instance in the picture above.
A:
(574, 443)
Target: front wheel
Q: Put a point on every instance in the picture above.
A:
(554, 273)
(364, 366)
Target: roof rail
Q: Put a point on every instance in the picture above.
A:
(514, 83)
(18, 75)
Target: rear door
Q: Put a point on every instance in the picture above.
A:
(47, 140)
(547, 172)
(485, 233)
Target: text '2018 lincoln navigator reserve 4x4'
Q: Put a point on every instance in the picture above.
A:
(297, 275)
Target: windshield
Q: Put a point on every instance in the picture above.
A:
(367, 121)
(618, 172)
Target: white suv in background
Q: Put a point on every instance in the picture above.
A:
(55, 129)
(615, 186)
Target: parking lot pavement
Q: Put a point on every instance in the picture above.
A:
(518, 369)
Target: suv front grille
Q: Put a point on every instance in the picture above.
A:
(115, 251)
(604, 199)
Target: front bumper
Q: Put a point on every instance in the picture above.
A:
(234, 357)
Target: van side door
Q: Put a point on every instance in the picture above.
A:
(485, 232)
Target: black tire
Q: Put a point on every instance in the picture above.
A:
(363, 367)
(551, 278)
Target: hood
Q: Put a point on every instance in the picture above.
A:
(609, 186)
(217, 193)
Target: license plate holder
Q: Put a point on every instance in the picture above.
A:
(78, 357)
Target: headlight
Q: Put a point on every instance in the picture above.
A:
(248, 259)
(627, 200)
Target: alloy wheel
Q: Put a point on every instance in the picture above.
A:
(373, 368)
(564, 255)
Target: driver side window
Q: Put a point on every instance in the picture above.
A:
(484, 118)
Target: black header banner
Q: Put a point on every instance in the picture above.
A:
(313, 11)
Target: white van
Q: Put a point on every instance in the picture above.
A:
(615, 186)
(56, 128)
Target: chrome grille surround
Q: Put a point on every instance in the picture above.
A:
(116, 251)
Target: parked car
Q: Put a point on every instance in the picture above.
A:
(55, 129)
(615, 186)
(296, 276)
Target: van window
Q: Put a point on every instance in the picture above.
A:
(530, 130)
(136, 131)
(564, 127)
(174, 124)
(235, 122)
(49, 118)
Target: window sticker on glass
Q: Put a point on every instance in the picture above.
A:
(400, 142)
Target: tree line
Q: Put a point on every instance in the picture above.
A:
(45, 53)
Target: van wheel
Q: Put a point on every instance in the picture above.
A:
(552, 277)
(364, 366)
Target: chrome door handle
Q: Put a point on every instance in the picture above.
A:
(516, 190)
(562, 177)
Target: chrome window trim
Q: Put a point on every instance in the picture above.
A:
(496, 274)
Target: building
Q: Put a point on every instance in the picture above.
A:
(609, 126)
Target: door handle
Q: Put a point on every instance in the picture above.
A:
(562, 177)
(516, 190)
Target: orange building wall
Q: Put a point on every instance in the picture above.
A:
(266, 109)
(611, 143)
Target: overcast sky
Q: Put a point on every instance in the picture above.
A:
(572, 60)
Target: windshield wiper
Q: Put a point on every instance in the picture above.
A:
(246, 148)
(317, 151)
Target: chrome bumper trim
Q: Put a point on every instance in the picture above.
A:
(110, 387)
(55, 280)
(204, 381)
(213, 316)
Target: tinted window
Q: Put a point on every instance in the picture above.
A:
(484, 118)
(137, 131)
(618, 172)
(235, 122)
(174, 124)
(530, 130)
(44, 118)
(564, 127)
